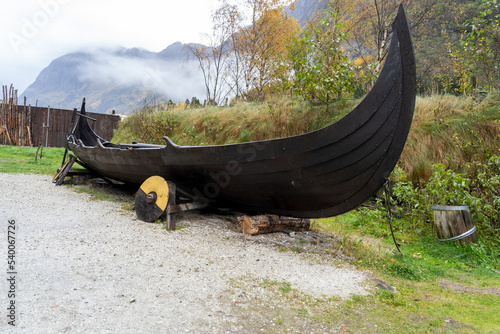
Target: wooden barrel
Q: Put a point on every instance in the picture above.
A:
(454, 223)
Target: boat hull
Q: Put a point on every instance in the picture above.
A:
(318, 174)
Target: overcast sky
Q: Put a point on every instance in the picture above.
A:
(35, 32)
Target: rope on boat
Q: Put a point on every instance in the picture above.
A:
(389, 211)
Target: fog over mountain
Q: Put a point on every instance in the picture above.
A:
(116, 79)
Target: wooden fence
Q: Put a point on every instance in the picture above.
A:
(23, 125)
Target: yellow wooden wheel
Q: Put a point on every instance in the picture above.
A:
(151, 199)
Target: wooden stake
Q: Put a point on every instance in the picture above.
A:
(8, 137)
(30, 142)
(170, 222)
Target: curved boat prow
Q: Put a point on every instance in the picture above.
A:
(317, 174)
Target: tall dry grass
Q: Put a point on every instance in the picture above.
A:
(452, 131)
(220, 125)
(446, 129)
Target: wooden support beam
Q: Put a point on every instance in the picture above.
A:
(173, 208)
(4, 130)
(253, 225)
(63, 172)
(187, 207)
(170, 222)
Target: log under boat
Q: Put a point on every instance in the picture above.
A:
(318, 174)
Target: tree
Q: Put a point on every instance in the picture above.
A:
(322, 68)
(170, 105)
(437, 34)
(261, 46)
(480, 48)
(233, 19)
(369, 25)
(213, 59)
(195, 102)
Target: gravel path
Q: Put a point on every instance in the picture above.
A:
(90, 267)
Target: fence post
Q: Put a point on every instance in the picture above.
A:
(29, 126)
(46, 126)
(23, 123)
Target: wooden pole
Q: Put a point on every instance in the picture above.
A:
(2, 117)
(47, 128)
(23, 124)
(29, 126)
(170, 222)
(8, 137)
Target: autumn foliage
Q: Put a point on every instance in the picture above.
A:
(257, 50)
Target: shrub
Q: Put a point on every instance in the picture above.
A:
(478, 187)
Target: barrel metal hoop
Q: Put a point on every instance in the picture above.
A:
(461, 236)
(449, 208)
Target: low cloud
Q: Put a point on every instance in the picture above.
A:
(173, 79)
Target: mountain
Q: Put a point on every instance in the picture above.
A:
(306, 9)
(124, 79)
(116, 79)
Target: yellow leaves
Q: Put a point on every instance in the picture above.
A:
(359, 61)
(261, 46)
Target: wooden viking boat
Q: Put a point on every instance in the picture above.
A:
(318, 174)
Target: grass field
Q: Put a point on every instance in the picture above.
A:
(439, 287)
(14, 159)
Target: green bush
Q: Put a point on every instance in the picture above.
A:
(156, 125)
(478, 187)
